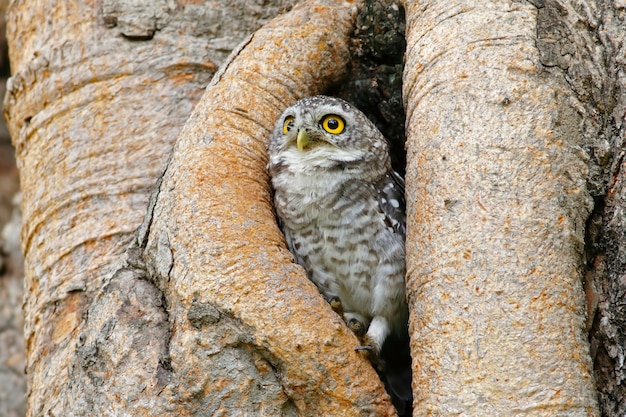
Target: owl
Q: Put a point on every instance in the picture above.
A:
(341, 208)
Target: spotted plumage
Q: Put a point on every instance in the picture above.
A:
(342, 210)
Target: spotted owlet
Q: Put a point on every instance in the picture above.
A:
(341, 207)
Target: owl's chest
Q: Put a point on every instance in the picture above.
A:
(331, 234)
(321, 198)
(338, 259)
(332, 214)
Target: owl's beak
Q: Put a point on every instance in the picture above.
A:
(303, 140)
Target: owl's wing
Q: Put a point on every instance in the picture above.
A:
(288, 239)
(391, 201)
(291, 248)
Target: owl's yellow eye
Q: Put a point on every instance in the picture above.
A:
(288, 124)
(333, 124)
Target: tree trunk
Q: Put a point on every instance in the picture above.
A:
(514, 130)
(513, 120)
(606, 231)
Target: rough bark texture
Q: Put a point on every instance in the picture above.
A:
(497, 205)
(606, 235)
(99, 93)
(214, 248)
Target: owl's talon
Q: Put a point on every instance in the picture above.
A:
(367, 351)
(374, 348)
(357, 327)
(367, 348)
(335, 304)
(372, 354)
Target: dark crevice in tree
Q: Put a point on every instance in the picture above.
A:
(374, 82)
(606, 243)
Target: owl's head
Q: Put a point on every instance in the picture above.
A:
(320, 133)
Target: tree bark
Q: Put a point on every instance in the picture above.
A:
(497, 205)
(606, 232)
(102, 338)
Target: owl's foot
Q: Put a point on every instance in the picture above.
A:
(357, 327)
(376, 334)
(335, 304)
(372, 352)
(369, 346)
